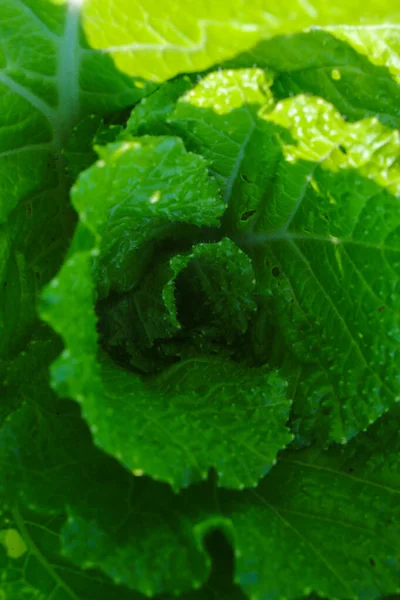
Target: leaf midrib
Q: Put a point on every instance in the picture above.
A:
(321, 557)
(63, 118)
(339, 473)
(68, 71)
(283, 235)
(20, 523)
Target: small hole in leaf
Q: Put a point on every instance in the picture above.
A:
(342, 149)
(372, 562)
(276, 272)
(350, 470)
(247, 215)
(245, 178)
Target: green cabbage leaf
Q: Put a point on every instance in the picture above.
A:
(199, 300)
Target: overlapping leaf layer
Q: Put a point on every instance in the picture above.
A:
(200, 300)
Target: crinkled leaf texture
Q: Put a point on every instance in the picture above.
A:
(199, 411)
(313, 200)
(61, 61)
(59, 489)
(233, 282)
(316, 504)
(64, 60)
(97, 517)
